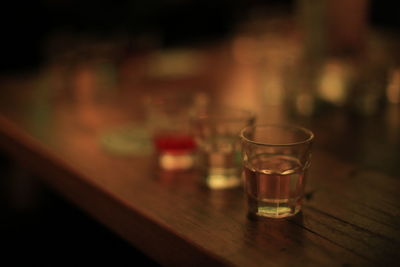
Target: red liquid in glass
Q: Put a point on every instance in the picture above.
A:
(174, 143)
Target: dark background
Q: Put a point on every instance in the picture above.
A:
(26, 25)
(38, 227)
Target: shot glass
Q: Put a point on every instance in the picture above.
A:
(275, 160)
(216, 132)
(168, 121)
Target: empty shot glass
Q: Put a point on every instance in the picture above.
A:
(216, 131)
(275, 160)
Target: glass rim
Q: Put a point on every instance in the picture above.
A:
(309, 133)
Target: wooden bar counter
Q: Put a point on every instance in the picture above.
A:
(54, 121)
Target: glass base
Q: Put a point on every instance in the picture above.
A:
(171, 161)
(223, 178)
(272, 209)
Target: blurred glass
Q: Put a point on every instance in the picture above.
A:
(168, 120)
(217, 134)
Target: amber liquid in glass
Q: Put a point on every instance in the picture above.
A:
(274, 185)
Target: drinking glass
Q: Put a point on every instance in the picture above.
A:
(216, 130)
(275, 160)
(168, 120)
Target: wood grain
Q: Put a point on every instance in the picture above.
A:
(52, 123)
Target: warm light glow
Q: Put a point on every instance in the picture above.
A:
(217, 181)
(305, 104)
(246, 50)
(272, 86)
(333, 83)
(240, 89)
(176, 162)
(393, 88)
(175, 63)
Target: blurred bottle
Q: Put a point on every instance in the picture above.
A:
(339, 68)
